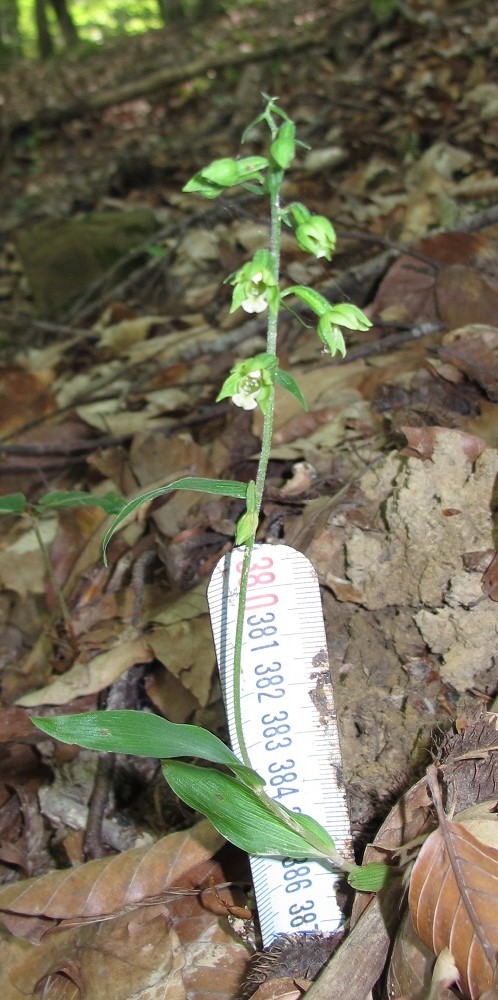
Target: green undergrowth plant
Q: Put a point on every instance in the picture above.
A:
(237, 803)
(50, 503)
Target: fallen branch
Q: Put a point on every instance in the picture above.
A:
(151, 82)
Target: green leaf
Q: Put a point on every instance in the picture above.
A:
(112, 503)
(222, 487)
(371, 877)
(314, 832)
(143, 735)
(12, 503)
(237, 813)
(288, 382)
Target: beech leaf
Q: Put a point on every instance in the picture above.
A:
(453, 897)
(106, 886)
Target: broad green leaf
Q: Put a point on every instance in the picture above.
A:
(371, 877)
(288, 382)
(143, 735)
(12, 503)
(236, 812)
(112, 503)
(314, 832)
(224, 488)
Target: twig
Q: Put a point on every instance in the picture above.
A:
(93, 844)
(359, 961)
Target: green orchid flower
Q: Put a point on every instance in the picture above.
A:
(255, 285)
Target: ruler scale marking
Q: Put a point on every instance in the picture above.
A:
(288, 721)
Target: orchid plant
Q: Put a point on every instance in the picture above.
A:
(237, 803)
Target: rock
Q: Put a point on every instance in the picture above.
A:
(62, 257)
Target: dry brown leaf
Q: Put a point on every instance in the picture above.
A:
(120, 958)
(421, 441)
(155, 458)
(185, 650)
(426, 291)
(473, 349)
(410, 968)
(489, 583)
(22, 568)
(463, 296)
(109, 885)
(173, 951)
(452, 898)
(26, 396)
(88, 677)
(143, 955)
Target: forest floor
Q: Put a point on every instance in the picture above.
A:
(110, 374)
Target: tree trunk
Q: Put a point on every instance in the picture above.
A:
(171, 11)
(45, 43)
(66, 23)
(10, 38)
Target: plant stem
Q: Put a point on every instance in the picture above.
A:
(61, 600)
(274, 181)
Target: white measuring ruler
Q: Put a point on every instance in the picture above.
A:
(288, 720)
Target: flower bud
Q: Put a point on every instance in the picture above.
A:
(316, 235)
(283, 146)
